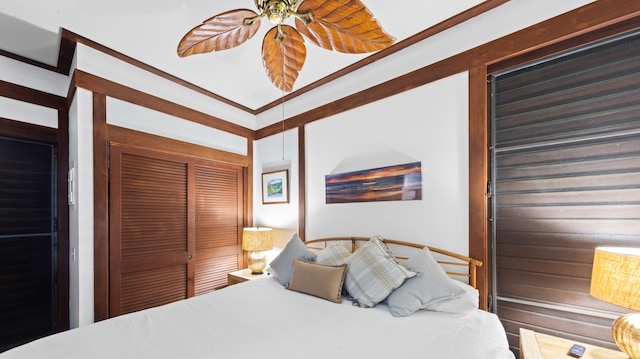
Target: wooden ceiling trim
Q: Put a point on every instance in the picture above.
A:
(109, 88)
(70, 36)
(595, 16)
(36, 97)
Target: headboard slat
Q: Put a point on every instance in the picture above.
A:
(452, 259)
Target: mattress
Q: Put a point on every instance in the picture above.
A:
(263, 319)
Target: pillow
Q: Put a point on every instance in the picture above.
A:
(333, 255)
(462, 303)
(431, 285)
(373, 273)
(318, 280)
(282, 265)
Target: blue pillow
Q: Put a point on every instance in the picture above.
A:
(432, 285)
(281, 266)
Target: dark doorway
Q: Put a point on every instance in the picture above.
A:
(28, 307)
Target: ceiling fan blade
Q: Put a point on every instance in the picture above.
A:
(283, 70)
(343, 25)
(221, 32)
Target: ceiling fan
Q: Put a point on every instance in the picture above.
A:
(342, 25)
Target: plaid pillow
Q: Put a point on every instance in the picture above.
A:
(334, 255)
(373, 273)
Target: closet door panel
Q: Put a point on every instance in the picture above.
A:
(149, 252)
(218, 224)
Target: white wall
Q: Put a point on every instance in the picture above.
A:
(275, 153)
(81, 210)
(428, 124)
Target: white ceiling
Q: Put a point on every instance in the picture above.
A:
(149, 31)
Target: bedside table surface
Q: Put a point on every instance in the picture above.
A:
(246, 274)
(542, 346)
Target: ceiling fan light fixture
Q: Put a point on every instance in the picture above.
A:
(277, 11)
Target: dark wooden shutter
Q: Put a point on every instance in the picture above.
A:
(27, 242)
(567, 179)
(218, 224)
(149, 252)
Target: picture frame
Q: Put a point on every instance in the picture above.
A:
(401, 182)
(275, 187)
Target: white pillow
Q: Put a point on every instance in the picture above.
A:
(465, 302)
(373, 273)
(430, 286)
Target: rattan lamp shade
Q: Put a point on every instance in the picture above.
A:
(256, 240)
(616, 279)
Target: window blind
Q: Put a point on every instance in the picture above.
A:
(566, 178)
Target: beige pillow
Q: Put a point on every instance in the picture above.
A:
(318, 280)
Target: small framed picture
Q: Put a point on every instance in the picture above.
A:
(275, 187)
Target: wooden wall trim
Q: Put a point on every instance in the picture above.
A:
(479, 241)
(112, 89)
(37, 97)
(100, 208)
(27, 131)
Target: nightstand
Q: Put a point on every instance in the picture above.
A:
(542, 346)
(243, 275)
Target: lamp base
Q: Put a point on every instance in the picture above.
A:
(256, 262)
(626, 333)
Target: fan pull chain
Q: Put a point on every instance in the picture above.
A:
(282, 88)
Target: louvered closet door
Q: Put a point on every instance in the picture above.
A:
(218, 224)
(175, 226)
(149, 251)
(567, 179)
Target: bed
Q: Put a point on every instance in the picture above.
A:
(264, 318)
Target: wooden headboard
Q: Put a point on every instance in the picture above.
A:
(449, 260)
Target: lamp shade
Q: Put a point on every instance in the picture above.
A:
(257, 239)
(616, 276)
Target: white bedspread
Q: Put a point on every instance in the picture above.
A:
(289, 325)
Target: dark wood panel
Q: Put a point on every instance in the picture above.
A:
(149, 261)
(218, 191)
(153, 287)
(565, 240)
(153, 206)
(211, 274)
(218, 206)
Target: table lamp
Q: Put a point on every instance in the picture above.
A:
(616, 279)
(256, 240)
